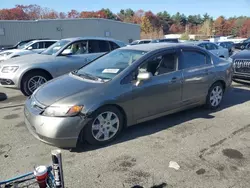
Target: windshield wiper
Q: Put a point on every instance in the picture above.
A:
(88, 76)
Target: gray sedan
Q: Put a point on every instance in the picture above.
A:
(27, 73)
(124, 87)
(213, 48)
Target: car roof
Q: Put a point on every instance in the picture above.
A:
(155, 46)
(91, 38)
(44, 40)
(199, 42)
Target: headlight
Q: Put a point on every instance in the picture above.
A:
(9, 69)
(62, 111)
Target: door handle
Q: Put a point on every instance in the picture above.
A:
(174, 79)
(207, 72)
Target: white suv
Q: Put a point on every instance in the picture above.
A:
(35, 46)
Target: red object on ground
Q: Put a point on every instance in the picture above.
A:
(41, 173)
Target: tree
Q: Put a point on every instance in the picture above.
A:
(62, 15)
(206, 17)
(126, 15)
(219, 25)
(73, 14)
(154, 20)
(108, 13)
(174, 28)
(206, 28)
(245, 30)
(146, 26)
(13, 14)
(165, 21)
(184, 36)
(33, 11)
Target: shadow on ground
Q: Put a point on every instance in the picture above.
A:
(4, 99)
(235, 96)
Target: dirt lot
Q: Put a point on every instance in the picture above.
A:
(212, 148)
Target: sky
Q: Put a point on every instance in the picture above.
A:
(214, 8)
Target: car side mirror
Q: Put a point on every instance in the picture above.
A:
(143, 76)
(67, 52)
(30, 48)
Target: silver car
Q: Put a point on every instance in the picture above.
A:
(124, 87)
(36, 46)
(213, 48)
(28, 72)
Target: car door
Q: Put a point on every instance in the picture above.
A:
(163, 91)
(39, 47)
(66, 63)
(196, 66)
(96, 48)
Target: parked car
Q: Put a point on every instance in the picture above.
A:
(136, 42)
(228, 45)
(21, 43)
(127, 86)
(27, 73)
(165, 40)
(241, 64)
(35, 46)
(213, 48)
(242, 45)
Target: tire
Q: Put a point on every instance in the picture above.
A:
(26, 82)
(214, 102)
(91, 135)
(242, 47)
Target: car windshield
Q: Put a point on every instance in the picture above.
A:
(111, 64)
(22, 46)
(134, 42)
(53, 49)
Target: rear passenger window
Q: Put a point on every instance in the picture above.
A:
(104, 46)
(41, 45)
(114, 45)
(98, 46)
(48, 44)
(191, 59)
(202, 46)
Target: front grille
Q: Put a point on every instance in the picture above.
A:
(242, 65)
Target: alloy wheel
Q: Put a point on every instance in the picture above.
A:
(216, 96)
(36, 82)
(105, 126)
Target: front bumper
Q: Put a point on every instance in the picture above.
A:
(9, 80)
(241, 76)
(62, 132)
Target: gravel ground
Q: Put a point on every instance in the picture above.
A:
(211, 148)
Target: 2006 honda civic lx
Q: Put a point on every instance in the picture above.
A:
(127, 86)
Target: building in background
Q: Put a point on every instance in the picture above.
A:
(12, 31)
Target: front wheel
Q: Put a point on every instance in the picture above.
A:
(106, 124)
(32, 81)
(215, 96)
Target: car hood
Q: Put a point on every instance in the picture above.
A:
(244, 54)
(63, 87)
(28, 59)
(14, 50)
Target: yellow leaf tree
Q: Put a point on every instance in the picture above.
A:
(146, 26)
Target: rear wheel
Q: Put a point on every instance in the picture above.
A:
(215, 96)
(105, 126)
(32, 81)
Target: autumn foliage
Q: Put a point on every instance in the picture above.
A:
(152, 25)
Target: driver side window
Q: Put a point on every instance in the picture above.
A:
(78, 48)
(160, 64)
